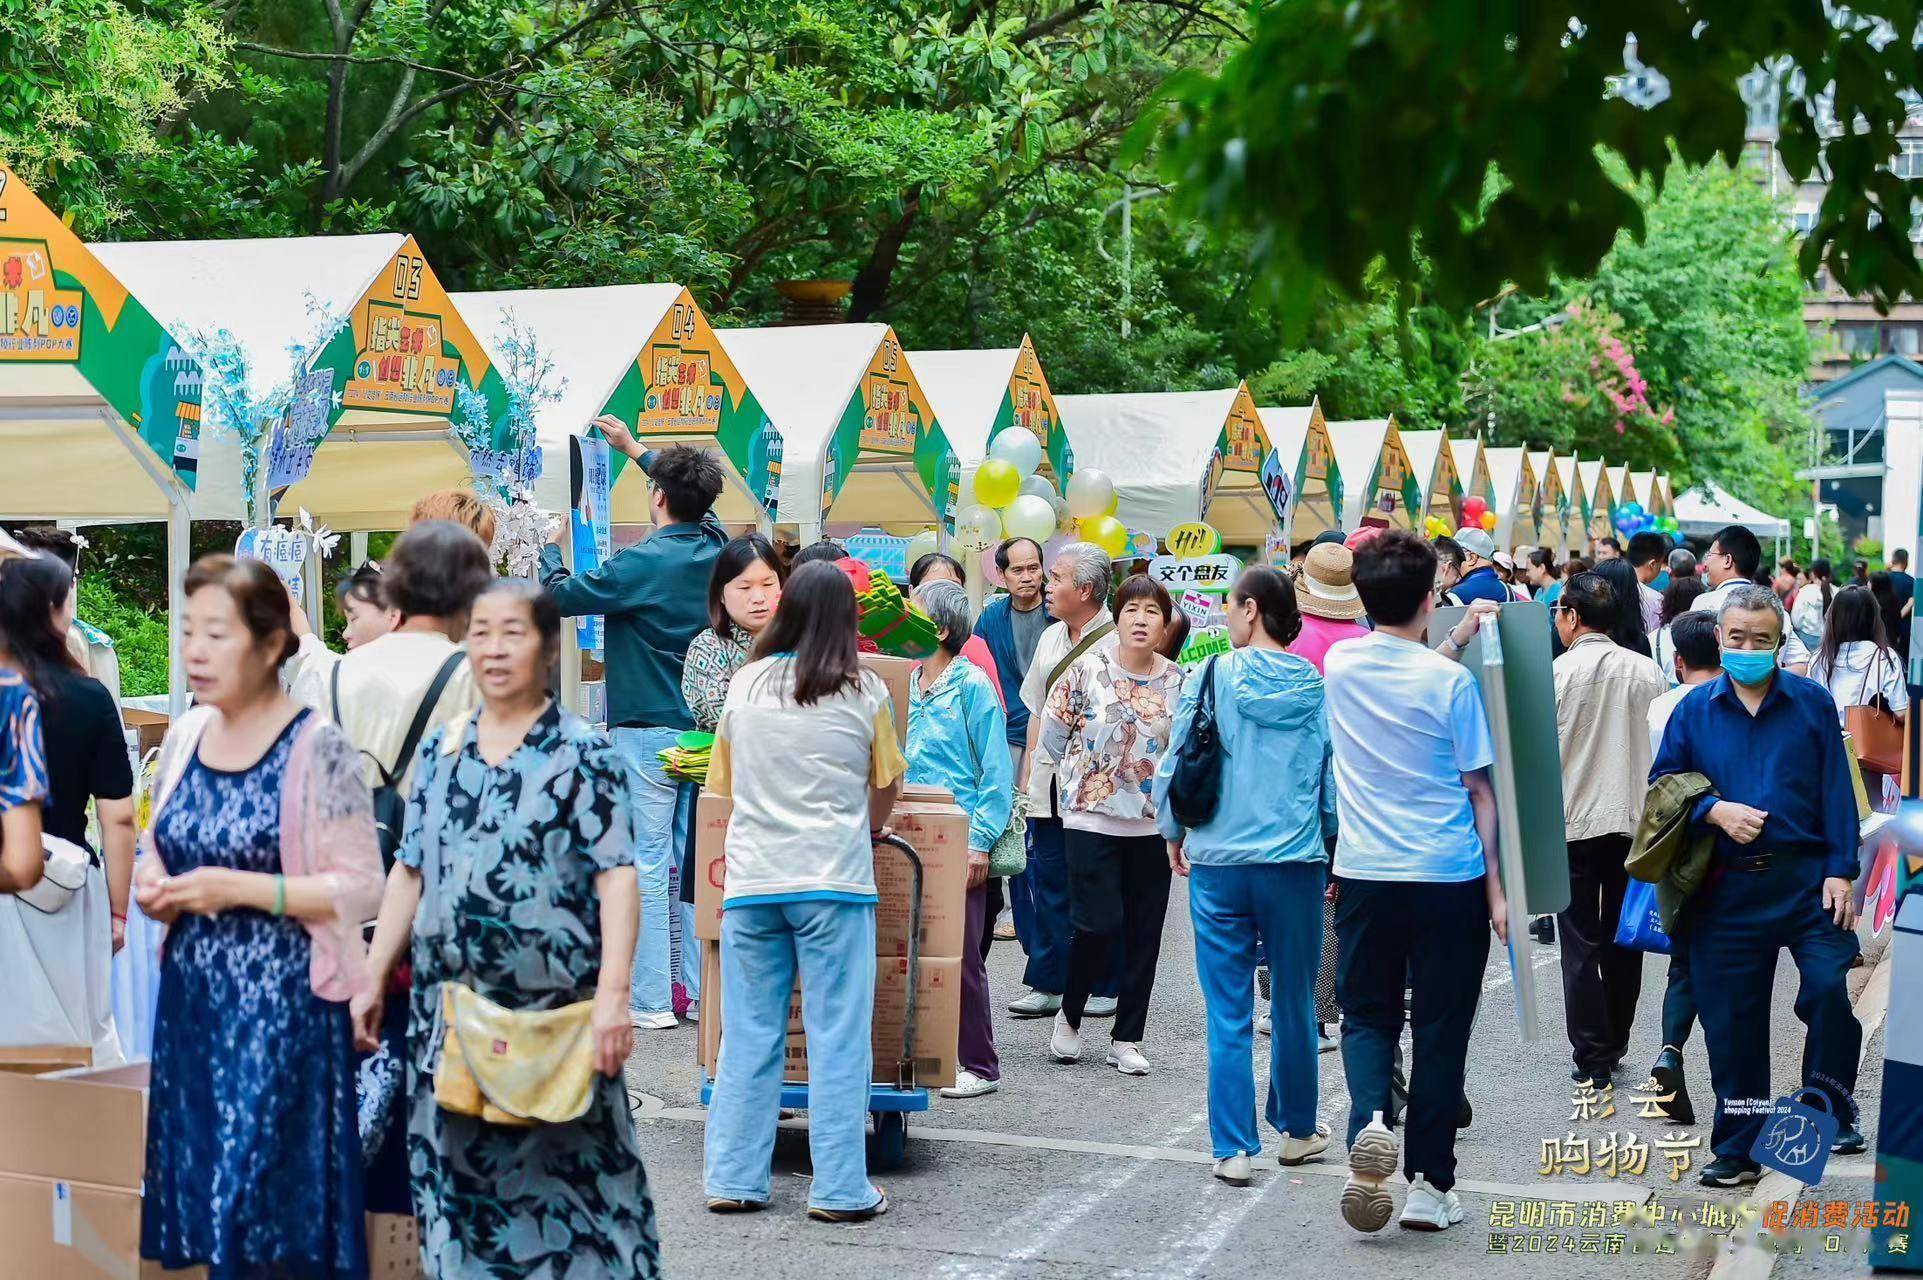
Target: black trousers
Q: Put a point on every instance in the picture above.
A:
(1600, 980)
(1431, 940)
(1117, 894)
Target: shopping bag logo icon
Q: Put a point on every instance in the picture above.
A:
(1796, 1137)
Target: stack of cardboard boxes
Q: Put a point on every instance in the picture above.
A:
(930, 821)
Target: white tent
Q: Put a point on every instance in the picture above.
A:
(1700, 512)
(1575, 528)
(1599, 495)
(1514, 482)
(1551, 499)
(1472, 468)
(860, 440)
(1433, 459)
(363, 313)
(978, 394)
(626, 350)
(1181, 456)
(1378, 481)
(1300, 436)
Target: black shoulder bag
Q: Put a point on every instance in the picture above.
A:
(390, 805)
(1195, 785)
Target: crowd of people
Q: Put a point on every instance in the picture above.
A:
(1324, 788)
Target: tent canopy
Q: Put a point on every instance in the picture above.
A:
(1180, 456)
(1434, 463)
(339, 344)
(645, 353)
(99, 405)
(1552, 501)
(1514, 480)
(1300, 436)
(1622, 482)
(977, 395)
(1599, 495)
(1381, 482)
(1472, 467)
(860, 440)
(1700, 512)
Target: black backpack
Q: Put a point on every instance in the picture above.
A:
(390, 805)
(1195, 785)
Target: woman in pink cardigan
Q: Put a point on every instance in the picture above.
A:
(263, 864)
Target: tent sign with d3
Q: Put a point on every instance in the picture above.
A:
(1211, 574)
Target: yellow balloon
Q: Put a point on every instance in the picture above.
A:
(1108, 533)
(1114, 504)
(997, 483)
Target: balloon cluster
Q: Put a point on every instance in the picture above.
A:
(1631, 519)
(1012, 501)
(1477, 515)
(1436, 527)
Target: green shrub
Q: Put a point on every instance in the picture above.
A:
(139, 635)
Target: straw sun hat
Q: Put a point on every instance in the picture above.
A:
(1328, 586)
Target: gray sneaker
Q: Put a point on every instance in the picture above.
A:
(1099, 1007)
(1036, 1004)
(1373, 1157)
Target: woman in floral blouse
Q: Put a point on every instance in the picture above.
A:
(1108, 723)
(742, 596)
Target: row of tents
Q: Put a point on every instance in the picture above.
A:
(246, 379)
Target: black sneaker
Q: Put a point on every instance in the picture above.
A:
(1849, 1142)
(1666, 1081)
(1464, 1113)
(1731, 1171)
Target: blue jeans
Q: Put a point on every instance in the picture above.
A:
(834, 945)
(1050, 928)
(661, 810)
(1279, 903)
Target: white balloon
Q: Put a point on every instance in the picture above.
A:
(977, 526)
(1038, 485)
(1018, 447)
(1089, 494)
(1029, 517)
(921, 544)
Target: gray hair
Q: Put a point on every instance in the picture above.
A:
(1682, 562)
(1750, 598)
(947, 605)
(1089, 566)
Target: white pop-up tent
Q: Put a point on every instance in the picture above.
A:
(1701, 511)
(1472, 467)
(1381, 483)
(1575, 523)
(1648, 492)
(1300, 435)
(341, 355)
(861, 444)
(1183, 456)
(1599, 497)
(1622, 482)
(977, 395)
(1552, 504)
(646, 354)
(99, 404)
(1433, 460)
(1514, 481)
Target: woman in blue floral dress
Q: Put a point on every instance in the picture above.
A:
(262, 863)
(515, 879)
(23, 784)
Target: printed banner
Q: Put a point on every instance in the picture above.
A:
(591, 535)
(1276, 484)
(38, 320)
(282, 550)
(1208, 575)
(290, 452)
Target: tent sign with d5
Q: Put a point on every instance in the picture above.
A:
(1209, 574)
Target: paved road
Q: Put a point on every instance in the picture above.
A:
(1079, 1171)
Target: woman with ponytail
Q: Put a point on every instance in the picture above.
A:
(1258, 868)
(1810, 612)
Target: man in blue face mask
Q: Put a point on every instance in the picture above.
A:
(1784, 812)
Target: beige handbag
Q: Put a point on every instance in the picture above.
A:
(513, 1067)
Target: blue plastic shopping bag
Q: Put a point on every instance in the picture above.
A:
(1641, 925)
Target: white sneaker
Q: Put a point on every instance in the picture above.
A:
(1035, 1004)
(1264, 1024)
(1066, 1042)
(1099, 1007)
(969, 1085)
(1325, 1038)
(1127, 1058)
(660, 1020)
(1427, 1209)
(1302, 1150)
(1234, 1170)
(1373, 1156)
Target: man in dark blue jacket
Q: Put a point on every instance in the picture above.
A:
(1479, 580)
(654, 596)
(1011, 626)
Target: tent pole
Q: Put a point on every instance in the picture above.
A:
(179, 548)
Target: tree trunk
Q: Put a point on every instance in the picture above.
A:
(870, 292)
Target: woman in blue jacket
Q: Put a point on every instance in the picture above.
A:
(958, 739)
(1256, 870)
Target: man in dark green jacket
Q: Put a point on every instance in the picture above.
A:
(654, 596)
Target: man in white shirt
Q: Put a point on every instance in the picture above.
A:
(1416, 881)
(1732, 561)
(1603, 692)
(1698, 660)
(1077, 594)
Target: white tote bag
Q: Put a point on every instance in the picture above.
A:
(59, 970)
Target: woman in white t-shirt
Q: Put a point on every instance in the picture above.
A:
(807, 748)
(1856, 663)
(1811, 604)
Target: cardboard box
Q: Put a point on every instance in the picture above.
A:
(76, 1126)
(149, 726)
(939, 833)
(393, 1246)
(75, 1232)
(894, 674)
(937, 1021)
(708, 1043)
(33, 1059)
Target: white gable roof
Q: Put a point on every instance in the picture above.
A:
(1155, 446)
(965, 389)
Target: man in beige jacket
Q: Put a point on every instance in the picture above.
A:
(1603, 692)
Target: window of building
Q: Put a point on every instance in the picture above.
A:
(1759, 158)
(1802, 222)
(1908, 163)
(1859, 339)
(1903, 339)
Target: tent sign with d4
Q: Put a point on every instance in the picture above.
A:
(1209, 574)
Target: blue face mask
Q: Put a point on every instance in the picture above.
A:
(1749, 666)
